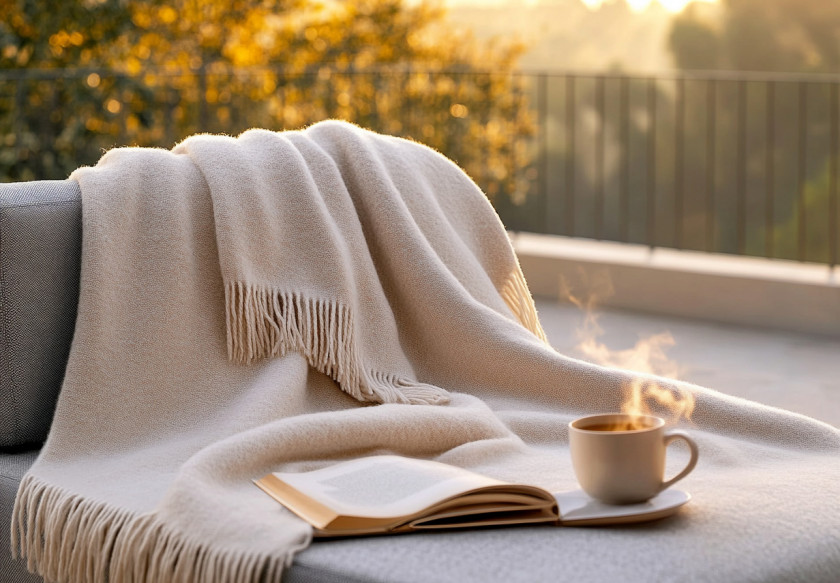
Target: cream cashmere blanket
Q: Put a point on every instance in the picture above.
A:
(282, 300)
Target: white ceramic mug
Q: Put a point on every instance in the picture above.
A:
(620, 458)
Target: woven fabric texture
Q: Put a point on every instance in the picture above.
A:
(40, 246)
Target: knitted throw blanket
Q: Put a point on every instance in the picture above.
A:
(303, 224)
(244, 302)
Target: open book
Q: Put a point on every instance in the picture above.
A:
(391, 494)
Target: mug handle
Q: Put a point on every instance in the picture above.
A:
(671, 436)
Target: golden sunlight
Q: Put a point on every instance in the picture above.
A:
(641, 5)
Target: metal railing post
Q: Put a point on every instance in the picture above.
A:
(600, 148)
(679, 139)
(651, 164)
(801, 251)
(741, 171)
(711, 167)
(542, 113)
(202, 99)
(834, 153)
(770, 170)
(570, 156)
(624, 188)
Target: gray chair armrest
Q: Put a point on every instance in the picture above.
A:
(40, 251)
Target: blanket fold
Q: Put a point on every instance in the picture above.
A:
(243, 301)
(295, 214)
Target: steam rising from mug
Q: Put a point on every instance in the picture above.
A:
(641, 396)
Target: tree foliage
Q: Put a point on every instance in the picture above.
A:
(80, 76)
(759, 35)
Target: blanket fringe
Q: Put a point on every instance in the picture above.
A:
(518, 297)
(264, 322)
(91, 542)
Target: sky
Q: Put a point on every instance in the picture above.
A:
(638, 5)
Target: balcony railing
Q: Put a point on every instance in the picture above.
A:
(744, 164)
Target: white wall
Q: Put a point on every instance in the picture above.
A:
(741, 290)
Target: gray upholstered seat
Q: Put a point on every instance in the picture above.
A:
(40, 245)
(12, 468)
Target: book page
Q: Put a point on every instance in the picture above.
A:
(385, 486)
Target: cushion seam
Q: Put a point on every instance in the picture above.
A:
(45, 203)
(10, 479)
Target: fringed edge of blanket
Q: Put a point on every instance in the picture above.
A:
(265, 322)
(518, 298)
(68, 539)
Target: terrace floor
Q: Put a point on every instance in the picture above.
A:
(798, 372)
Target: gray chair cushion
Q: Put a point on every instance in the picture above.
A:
(12, 468)
(40, 247)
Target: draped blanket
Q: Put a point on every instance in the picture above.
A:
(278, 301)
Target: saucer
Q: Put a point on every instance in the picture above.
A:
(578, 509)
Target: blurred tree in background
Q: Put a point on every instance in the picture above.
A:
(39, 135)
(83, 76)
(759, 35)
(787, 37)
